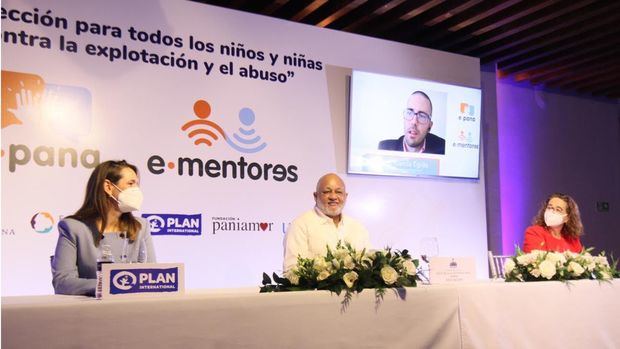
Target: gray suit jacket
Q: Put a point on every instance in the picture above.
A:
(74, 266)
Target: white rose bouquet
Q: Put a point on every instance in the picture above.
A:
(348, 270)
(563, 266)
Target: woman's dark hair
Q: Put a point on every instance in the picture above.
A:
(97, 203)
(573, 228)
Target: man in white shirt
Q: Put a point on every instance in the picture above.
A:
(309, 234)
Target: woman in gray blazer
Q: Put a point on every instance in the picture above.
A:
(105, 222)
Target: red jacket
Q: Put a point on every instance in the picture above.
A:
(539, 238)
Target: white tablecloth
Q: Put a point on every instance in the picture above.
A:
(229, 318)
(551, 314)
(478, 315)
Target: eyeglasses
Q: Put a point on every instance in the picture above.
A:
(422, 117)
(556, 209)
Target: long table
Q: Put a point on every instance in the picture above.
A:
(580, 314)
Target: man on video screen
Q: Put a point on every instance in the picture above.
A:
(417, 125)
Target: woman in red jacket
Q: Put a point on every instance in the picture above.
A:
(556, 227)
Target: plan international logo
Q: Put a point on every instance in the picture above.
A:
(205, 132)
(174, 224)
(33, 109)
(144, 280)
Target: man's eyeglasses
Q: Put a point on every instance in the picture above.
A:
(423, 118)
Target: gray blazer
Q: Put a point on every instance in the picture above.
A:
(74, 266)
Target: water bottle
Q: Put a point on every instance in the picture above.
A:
(125, 248)
(142, 253)
(105, 256)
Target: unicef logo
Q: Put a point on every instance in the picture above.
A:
(124, 280)
(42, 222)
(156, 222)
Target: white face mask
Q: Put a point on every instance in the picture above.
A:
(129, 199)
(553, 219)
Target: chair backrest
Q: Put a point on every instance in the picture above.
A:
(496, 264)
(52, 263)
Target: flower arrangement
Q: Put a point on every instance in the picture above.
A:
(563, 266)
(348, 270)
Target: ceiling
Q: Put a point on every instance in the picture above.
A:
(564, 45)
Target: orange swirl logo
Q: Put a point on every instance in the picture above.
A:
(200, 132)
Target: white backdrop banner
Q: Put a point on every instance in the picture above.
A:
(230, 117)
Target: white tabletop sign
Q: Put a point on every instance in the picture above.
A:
(452, 269)
(141, 279)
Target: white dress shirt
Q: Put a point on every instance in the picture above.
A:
(309, 235)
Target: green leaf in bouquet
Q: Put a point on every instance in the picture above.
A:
(282, 281)
(401, 292)
(379, 292)
(568, 266)
(614, 267)
(367, 263)
(403, 281)
(330, 255)
(367, 267)
(266, 279)
(337, 288)
(346, 301)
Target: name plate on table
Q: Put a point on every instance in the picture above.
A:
(445, 270)
(142, 279)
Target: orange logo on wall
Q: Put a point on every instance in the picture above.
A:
(467, 108)
(18, 91)
(60, 112)
(202, 109)
(245, 141)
